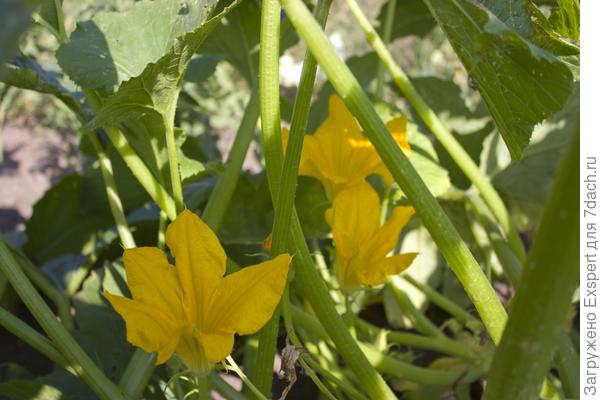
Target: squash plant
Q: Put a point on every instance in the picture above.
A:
(387, 205)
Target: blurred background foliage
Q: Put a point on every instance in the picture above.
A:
(70, 234)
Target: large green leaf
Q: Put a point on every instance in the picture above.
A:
(26, 73)
(525, 18)
(156, 89)
(520, 83)
(116, 46)
(526, 183)
(60, 223)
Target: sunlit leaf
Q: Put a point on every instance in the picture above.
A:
(520, 83)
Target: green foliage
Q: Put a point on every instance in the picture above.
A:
(26, 73)
(106, 51)
(520, 83)
(183, 70)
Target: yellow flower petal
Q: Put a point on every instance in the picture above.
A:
(200, 351)
(377, 274)
(215, 346)
(152, 280)
(338, 154)
(397, 128)
(147, 327)
(385, 238)
(354, 218)
(200, 261)
(245, 300)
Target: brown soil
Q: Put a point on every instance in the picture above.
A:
(33, 159)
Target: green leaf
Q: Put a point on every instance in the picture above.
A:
(15, 17)
(311, 204)
(520, 83)
(411, 17)
(59, 223)
(249, 218)
(116, 46)
(526, 183)
(26, 73)
(28, 390)
(201, 68)
(525, 18)
(50, 16)
(156, 89)
(565, 19)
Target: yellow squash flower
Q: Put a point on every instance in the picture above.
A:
(190, 308)
(340, 156)
(362, 245)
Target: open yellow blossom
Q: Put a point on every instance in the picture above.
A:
(340, 156)
(190, 308)
(362, 246)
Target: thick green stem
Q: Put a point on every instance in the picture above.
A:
(386, 34)
(309, 279)
(271, 138)
(79, 360)
(33, 338)
(114, 201)
(453, 248)
(137, 166)
(221, 195)
(388, 364)
(137, 374)
(442, 345)
(291, 162)
(45, 286)
(169, 123)
(445, 137)
(544, 293)
(566, 357)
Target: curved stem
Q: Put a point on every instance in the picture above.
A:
(453, 248)
(80, 361)
(386, 34)
(445, 137)
(137, 166)
(137, 374)
(45, 286)
(271, 138)
(114, 201)
(169, 122)
(233, 365)
(33, 338)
